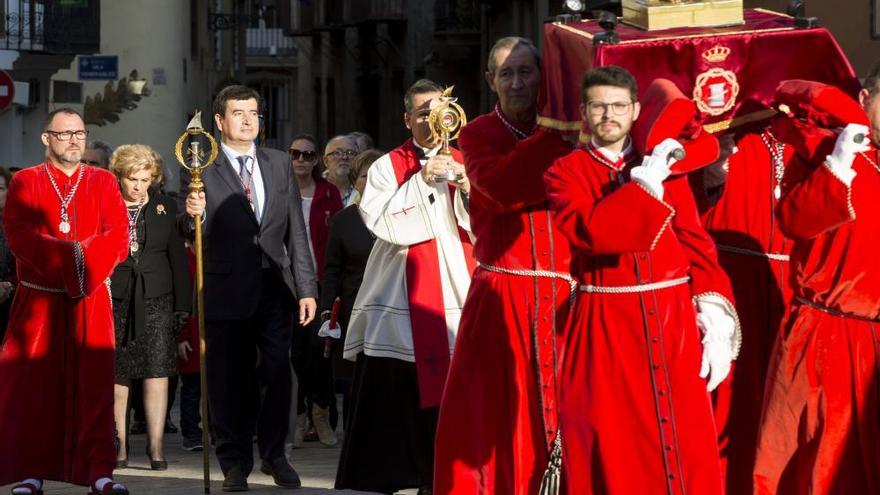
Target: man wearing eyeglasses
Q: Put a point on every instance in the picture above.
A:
(338, 154)
(403, 327)
(66, 225)
(258, 271)
(653, 315)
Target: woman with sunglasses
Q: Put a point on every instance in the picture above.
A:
(320, 201)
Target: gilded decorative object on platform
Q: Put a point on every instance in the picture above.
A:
(666, 14)
(445, 121)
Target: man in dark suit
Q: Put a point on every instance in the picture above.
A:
(256, 263)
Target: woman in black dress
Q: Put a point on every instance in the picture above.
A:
(151, 294)
(348, 247)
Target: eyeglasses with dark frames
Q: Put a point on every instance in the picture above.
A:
(339, 154)
(67, 135)
(617, 107)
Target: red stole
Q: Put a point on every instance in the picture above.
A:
(425, 291)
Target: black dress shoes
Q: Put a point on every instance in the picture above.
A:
(283, 474)
(235, 481)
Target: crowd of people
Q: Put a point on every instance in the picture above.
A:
(522, 315)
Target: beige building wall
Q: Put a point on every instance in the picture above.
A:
(848, 20)
(148, 36)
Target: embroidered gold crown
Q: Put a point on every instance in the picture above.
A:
(716, 54)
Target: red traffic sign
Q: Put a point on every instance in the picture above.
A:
(7, 90)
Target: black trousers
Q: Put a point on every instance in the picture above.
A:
(314, 372)
(249, 379)
(190, 414)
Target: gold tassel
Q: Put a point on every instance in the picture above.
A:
(550, 481)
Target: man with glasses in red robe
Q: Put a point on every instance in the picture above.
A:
(653, 316)
(67, 226)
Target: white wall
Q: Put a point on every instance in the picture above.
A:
(148, 34)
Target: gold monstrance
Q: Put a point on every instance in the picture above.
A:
(196, 165)
(445, 121)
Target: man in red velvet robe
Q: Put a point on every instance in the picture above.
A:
(739, 196)
(498, 417)
(820, 430)
(67, 226)
(634, 409)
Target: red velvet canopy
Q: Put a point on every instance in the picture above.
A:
(730, 73)
(668, 113)
(815, 111)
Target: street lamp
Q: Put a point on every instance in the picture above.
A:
(574, 6)
(571, 11)
(136, 84)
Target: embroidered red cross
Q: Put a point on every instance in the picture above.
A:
(403, 210)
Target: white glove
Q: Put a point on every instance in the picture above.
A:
(717, 328)
(326, 331)
(655, 168)
(841, 158)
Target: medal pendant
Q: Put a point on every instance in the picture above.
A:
(133, 247)
(64, 227)
(777, 191)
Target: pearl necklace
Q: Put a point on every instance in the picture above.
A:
(513, 130)
(777, 153)
(64, 226)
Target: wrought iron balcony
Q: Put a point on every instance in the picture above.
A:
(51, 26)
(269, 42)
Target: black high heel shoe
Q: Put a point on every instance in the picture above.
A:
(121, 463)
(154, 464)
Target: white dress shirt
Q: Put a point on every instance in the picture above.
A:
(257, 190)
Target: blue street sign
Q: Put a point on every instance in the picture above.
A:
(98, 67)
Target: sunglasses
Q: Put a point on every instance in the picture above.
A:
(306, 156)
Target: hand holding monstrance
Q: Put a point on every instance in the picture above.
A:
(445, 122)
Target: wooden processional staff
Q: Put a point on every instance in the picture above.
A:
(195, 166)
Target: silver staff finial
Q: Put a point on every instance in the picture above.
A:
(196, 123)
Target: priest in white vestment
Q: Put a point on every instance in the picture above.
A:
(405, 319)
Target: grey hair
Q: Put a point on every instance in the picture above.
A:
(511, 42)
(347, 137)
(100, 145)
(362, 136)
